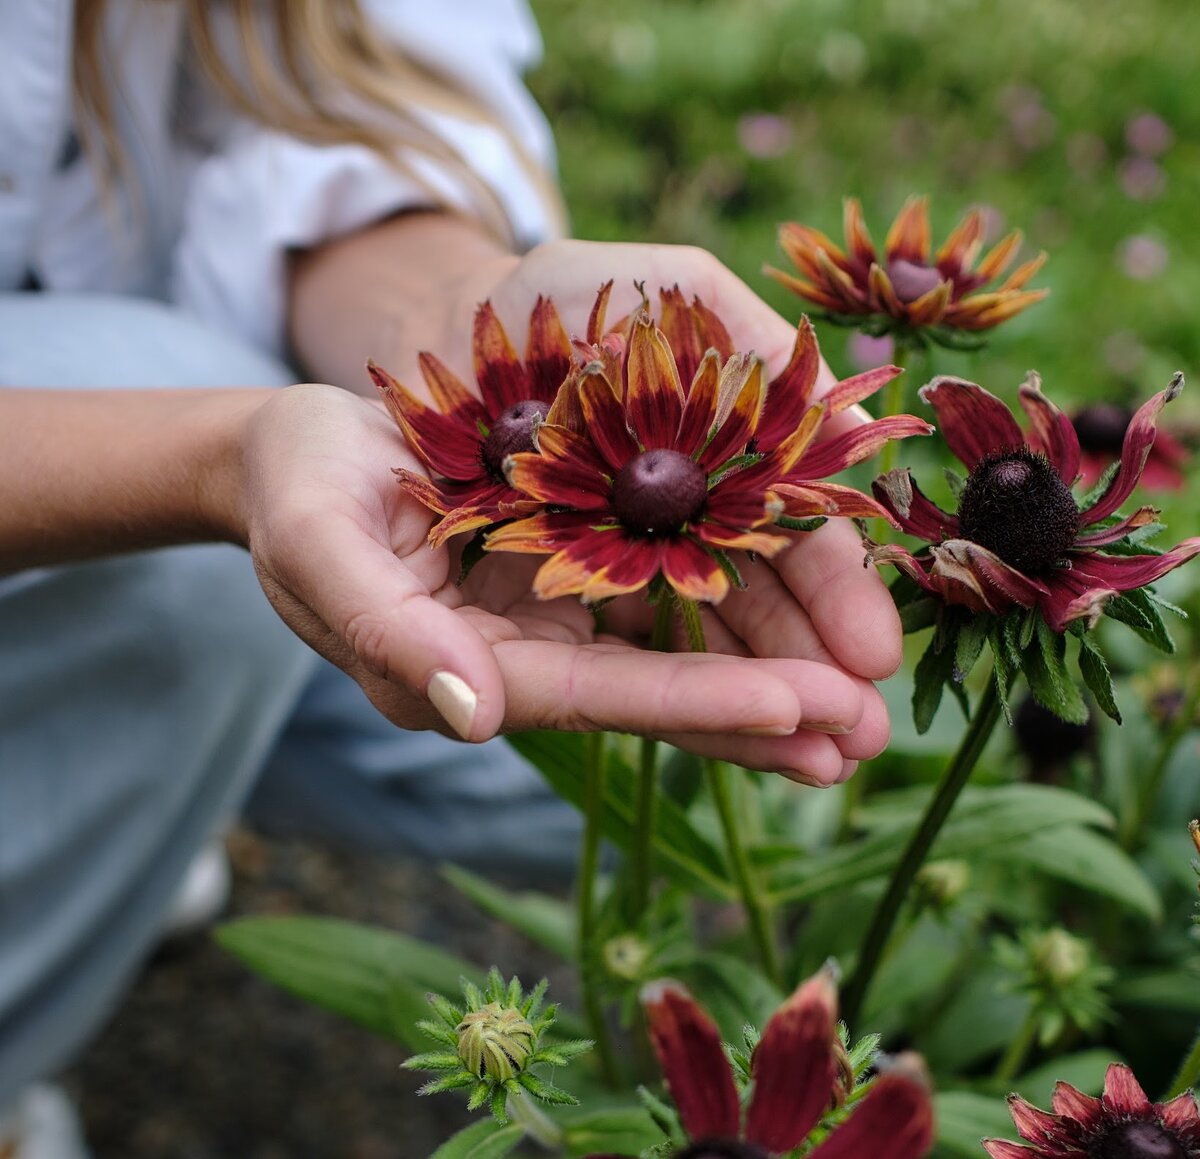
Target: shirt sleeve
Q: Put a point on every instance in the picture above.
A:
(262, 193)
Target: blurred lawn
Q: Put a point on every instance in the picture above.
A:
(712, 121)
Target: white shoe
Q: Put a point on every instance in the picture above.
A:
(201, 896)
(42, 1124)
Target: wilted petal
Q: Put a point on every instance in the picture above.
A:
(566, 410)
(1139, 438)
(853, 446)
(1181, 1113)
(463, 519)
(793, 1067)
(902, 559)
(498, 370)
(897, 490)
(1118, 530)
(1062, 606)
(836, 500)
(713, 334)
(653, 395)
(688, 1045)
(595, 326)
(979, 575)
(859, 386)
(741, 380)
(1052, 432)
(422, 490)
(1031, 1123)
(1126, 572)
(1003, 1149)
(679, 327)
(909, 236)
(974, 422)
(692, 572)
(894, 1120)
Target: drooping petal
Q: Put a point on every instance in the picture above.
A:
(605, 418)
(1118, 530)
(839, 500)
(688, 1045)
(1072, 1103)
(897, 490)
(692, 571)
(449, 393)
(973, 421)
(793, 1067)
(421, 489)
(1070, 600)
(573, 476)
(498, 370)
(566, 410)
(1003, 1149)
(894, 1120)
(654, 397)
(902, 559)
(548, 353)
(909, 237)
(700, 410)
(853, 446)
(1139, 438)
(1126, 572)
(1051, 431)
(976, 574)
(463, 519)
(803, 502)
(741, 380)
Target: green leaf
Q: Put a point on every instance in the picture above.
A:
(791, 523)
(963, 1118)
(933, 670)
(374, 977)
(918, 614)
(1049, 678)
(971, 638)
(690, 858)
(983, 819)
(1096, 675)
(1177, 991)
(1136, 609)
(543, 919)
(616, 1130)
(1090, 861)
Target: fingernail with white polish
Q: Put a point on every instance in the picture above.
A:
(455, 699)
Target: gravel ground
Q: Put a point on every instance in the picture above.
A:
(206, 1061)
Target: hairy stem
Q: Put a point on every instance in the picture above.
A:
(1018, 1051)
(987, 712)
(537, 1125)
(1189, 1072)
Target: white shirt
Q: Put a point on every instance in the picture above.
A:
(222, 200)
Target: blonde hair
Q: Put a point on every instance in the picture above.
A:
(298, 52)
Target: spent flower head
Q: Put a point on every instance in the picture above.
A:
(909, 289)
(1022, 560)
(493, 1045)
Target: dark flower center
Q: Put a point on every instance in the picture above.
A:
(1016, 506)
(911, 280)
(657, 492)
(1101, 427)
(1047, 740)
(721, 1149)
(1137, 1140)
(512, 433)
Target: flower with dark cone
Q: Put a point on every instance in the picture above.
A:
(1100, 428)
(1047, 742)
(463, 439)
(796, 1078)
(647, 483)
(1019, 538)
(693, 329)
(1121, 1124)
(908, 288)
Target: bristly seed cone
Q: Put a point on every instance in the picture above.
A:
(657, 492)
(511, 434)
(1137, 1139)
(1101, 427)
(1016, 506)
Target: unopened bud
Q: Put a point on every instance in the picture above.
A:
(626, 956)
(941, 883)
(495, 1041)
(1060, 957)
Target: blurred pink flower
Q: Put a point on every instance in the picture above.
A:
(1141, 178)
(764, 135)
(1142, 257)
(1148, 134)
(1031, 124)
(866, 351)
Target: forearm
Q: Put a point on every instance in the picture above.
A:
(387, 292)
(89, 473)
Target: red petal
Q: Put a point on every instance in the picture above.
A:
(1110, 534)
(693, 572)
(653, 396)
(859, 386)
(976, 574)
(1123, 1094)
(909, 236)
(1032, 1124)
(962, 246)
(713, 334)
(579, 569)
(793, 1067)
(1181, 1113)
(791, 391)
(595, 326)
(973, 422)
(449, 394)
(717, 535)
(853, 446)
(548, 354)
(605, 418)
(844, 501)
(1126, 572)
(1074, 1104)
(1051, 431)
(897, 490)
(463, 519)
(735, 504)
(693, 1061)
(899, 557)
(498, 370)
(894, 1120)
(741, 380)
(679, 327)
(858, 240)
(1139, 438)
(626, 565)
(541, 534)
(1003, 1149)
(564, 482)
(700, 410)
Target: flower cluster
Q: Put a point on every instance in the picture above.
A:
(908, 289)
(648, 450)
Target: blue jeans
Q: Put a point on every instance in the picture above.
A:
(142, 697)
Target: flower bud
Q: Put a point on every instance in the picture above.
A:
(1059, 957)
(625, 957)
(495, 1041)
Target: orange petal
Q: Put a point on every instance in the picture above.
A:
(463, 519)
(653, 395)
(999, 256)
(858, 240)
(1017, 279)
(679, 327)
(741, 380)
(548, 351)
(449, 393)
(421, 489)
(805, 289)
(930, 308)
(595, 326)
(498, 370)
(802, 243)
(962, 246)
(700, 410)
(909, 236)
(883, 295)
(693, 573)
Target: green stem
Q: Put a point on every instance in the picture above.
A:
(536, 1124)
(1018, 1050)
(689, 612)
(717, 773)
(1189, 1072)
(1150, 782)
(893, 402)
(589, 862)
(987, 712)
(641, 854)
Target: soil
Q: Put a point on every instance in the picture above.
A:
(206, 1061)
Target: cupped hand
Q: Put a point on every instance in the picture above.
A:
(341, 552)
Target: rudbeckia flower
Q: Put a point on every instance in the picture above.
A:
(796, 1079)
(1100, 428)
(1019, 538)
(464, 439)
(908, 288)
(649, 484)
(1122, 1122)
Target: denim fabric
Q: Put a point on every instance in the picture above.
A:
(141, 697)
